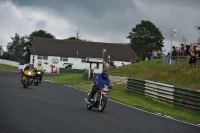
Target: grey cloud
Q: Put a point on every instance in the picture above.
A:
(183, 3)
(41, 24)
(91, 16)
(97, 8)
(114, 19)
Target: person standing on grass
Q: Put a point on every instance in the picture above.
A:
(174, 54)
(194, 54)
(182, 50)
(165, 57)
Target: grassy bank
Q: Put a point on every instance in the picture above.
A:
(182, 75)
(120, 94)
(7, 67)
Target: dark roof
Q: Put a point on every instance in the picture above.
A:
(69, 48)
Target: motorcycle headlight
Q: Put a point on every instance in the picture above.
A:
(39, 72)
(29, 73)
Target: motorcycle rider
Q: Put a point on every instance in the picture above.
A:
(40, 68)
(29, 67)
(99, 80)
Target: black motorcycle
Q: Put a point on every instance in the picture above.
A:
(38, 77)
(100, 98)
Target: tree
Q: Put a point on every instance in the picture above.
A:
(144, 38)
(28, 45)
(71, 38)
(15, 48)
(1, 50)
(74, 38)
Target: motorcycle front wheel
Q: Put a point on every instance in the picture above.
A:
(27, 82)
(36, 81)
(102, 105)
(89, 107)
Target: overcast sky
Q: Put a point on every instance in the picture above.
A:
(99, 20)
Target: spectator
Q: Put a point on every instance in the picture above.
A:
(179, 51)
(149, 56)
(165, 53)
(194, 54)
(187, 50)
(182, 50)
(131, 61)
(146, 58)
(162, 54)
(123, 64)
(155, 54)
(191, 48)
(165, 59)
(174, 54)
(176, 49)
(112, 64)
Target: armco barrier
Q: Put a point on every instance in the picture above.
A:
(186, 98)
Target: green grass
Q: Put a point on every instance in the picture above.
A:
(120, 94)
(71, 79)
(182, 75)
(7, 67)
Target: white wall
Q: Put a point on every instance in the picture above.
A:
(11, 63)
(77, 64)
(119, 63)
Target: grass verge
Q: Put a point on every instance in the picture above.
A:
(120, 94)
(7, 67)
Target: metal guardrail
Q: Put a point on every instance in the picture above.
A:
(183, 97)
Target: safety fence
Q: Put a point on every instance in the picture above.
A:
(183, 97)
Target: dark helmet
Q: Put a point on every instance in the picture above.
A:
(30, 64)
(104, 74)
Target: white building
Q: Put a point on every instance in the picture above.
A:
(55, 54)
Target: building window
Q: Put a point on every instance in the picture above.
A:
(45, 57)
(68, 66)
(63, 58)
(42, 57)
(39, 57)
(83, 60)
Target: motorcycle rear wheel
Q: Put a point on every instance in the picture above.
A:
(102, 105)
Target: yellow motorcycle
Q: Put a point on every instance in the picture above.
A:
(28, 77)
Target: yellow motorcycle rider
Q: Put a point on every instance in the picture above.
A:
(40, 68)
(29, 67)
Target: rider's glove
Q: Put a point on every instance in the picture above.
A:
(102, 86)
(96, 83)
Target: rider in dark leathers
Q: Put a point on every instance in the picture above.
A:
(99, 81)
